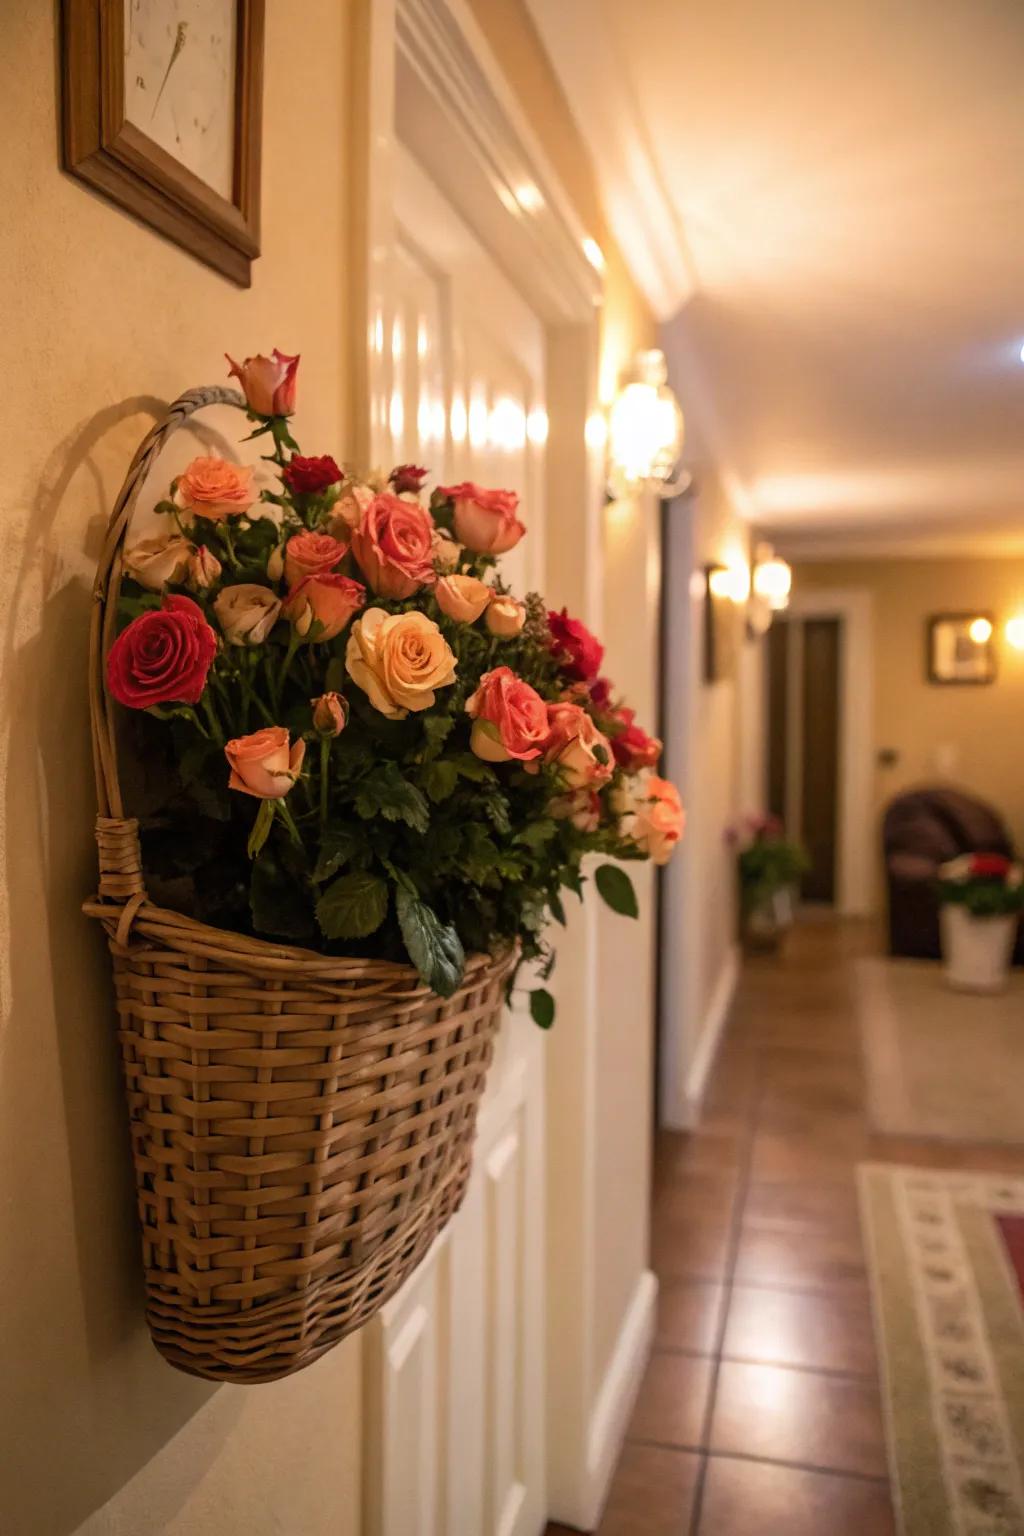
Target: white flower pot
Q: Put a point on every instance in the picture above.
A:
(976, 950)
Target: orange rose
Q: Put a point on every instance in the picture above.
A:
(329, 600)
(311, 554)
(394, 546)
(658, 819)
(577, 747)
(398, 660)
(215, 488)
(155, 562)
(268, 383)
(462, 597)
(510, 719)
(264, 764)
(506, 617)
(485, 521)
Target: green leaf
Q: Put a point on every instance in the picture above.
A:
(436, 730)
(537, 834)
(261, 827)
(334, 681)
(278, 904)
(440, 778)
(434, 949)
(336, 848)
(387, 794)
(474, 768)
(557, 910)
(542, 1007)
(353, 907)
(496, 810)
(615, 886)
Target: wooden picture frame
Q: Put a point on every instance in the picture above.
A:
(104, 148)
(954, 659)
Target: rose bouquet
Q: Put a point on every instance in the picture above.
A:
(350, 733)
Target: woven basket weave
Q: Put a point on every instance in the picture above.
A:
(302, 1125)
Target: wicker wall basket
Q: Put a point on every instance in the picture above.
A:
(302, 1125)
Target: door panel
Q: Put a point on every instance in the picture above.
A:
(820, 772)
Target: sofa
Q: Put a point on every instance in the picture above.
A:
(921, 829)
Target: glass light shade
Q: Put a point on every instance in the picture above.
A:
(645, 430)
(732, 581)
(1015, 632)
(773, 580)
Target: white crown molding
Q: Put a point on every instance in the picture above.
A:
(635, 201)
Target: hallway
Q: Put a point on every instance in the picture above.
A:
(760, 1412)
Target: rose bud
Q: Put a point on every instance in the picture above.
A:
(246, 613)
(311, 554)
(204, 569)
(330, 714)
(485, 521)
(348, 510)
(310, 477)
(463, 597)
(215, 489)
(155, 562)
(275, 563)
(263, 764)
(329, 600)
(446, 553)
(407, 477)
(505, 617)
(510, 719)
(163, 656)
(268, 383)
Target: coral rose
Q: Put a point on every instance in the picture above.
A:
(215, 488)
(246, 613)
(510, 719)
(330, 714)
(329, 600)
(163, 656)
(505, 617)
(485, 521)
(577, 747)
(155, 562)
(203, 568)
(658, 819)
(463, 597)
(264, 764)
(268, 383)
(578, 652)
(311, 554)
(398, 660)
(349, 509)
(633, 747)
(310, 477)
(393, 544)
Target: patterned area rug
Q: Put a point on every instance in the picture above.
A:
(946, 1256)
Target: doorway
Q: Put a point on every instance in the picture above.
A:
(803, 685)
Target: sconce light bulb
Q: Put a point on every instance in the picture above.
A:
(1015, 632)
(980, 631)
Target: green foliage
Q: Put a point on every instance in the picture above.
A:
(353, 907)
(767, 865)
(542, 1007)
(983, 897)
(434, 947)
(616, 888)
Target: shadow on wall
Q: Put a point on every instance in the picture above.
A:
(87, 1400)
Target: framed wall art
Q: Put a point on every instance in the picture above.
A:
(162, 105)
(961, 648)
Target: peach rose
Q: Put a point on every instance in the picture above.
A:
(246, 613)
(485, 521)
(462, 597)
(398, 660)
(203, 568)
(394, 546)
(506, 617)
(658, 819)
(215, 488)
(264, 764)
(329, 600)
(155, 562)
(311, 554)
(582, 808)
(577, 747)
(510, 719)
(348, 510)
(330, 714)
(268, 383)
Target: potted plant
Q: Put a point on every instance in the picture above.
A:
(982, 895)
(769, 867)
(359, 773)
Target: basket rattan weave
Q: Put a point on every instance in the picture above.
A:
(302, 1125)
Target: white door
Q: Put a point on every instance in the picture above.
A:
(455, 1362)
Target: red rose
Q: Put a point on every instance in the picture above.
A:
(308, 477)
(601, 694)
(163, 656)
(407, 477)
(632, 746)
(579, 652)
(989, 866)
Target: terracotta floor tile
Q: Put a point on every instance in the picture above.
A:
(651, 1493)
(778, 1414)
(670, 1407)
(751, 1498)
(810, 1259)
(683, 1249)
(825, 1330)
(689, 1315)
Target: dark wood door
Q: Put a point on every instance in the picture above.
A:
(778, 717)
(820, 753)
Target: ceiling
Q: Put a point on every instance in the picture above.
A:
(833, 193)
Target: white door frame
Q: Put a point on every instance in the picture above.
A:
(423, 72)
(856, 831)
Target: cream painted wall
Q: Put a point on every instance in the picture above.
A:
(962, 736)
(104, 322)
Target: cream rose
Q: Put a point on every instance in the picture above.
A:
(155, 562)
(462, 597)
(215, 488)
(445, 552)
(203, 568)
(398, 660)
(348, 510)
(246, 613)
(505, 617)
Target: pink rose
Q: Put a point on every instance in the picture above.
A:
(510, 719)
(264, 764)
(577, 747)
(505, 617)
(578, 652)
(485, 521)
(394, 546)
(462, 597)
(311, 554)
(632, 746)
(268, 383)
(330, 714)
(658, 819)
(329, 600)
(215, 488)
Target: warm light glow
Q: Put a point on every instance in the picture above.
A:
(980, 631)
(732, 581)
(529, 197)
(593, 252)
(1015, 632)
(507, 425)
(397, 338)
(422, 339)
(458, 419)
(645, 429)
(537, 426)
(773, 578)
(396, 415)
(479, 420)
(595, 431)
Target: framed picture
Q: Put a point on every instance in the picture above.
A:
(162, 103)
(961, 648)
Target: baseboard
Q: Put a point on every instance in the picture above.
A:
(616, 1398)
(712, 1029)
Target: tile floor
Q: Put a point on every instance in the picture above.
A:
(759, 1414)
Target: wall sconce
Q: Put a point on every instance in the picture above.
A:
(645, 433)
(1015, 632)
(772, 582)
